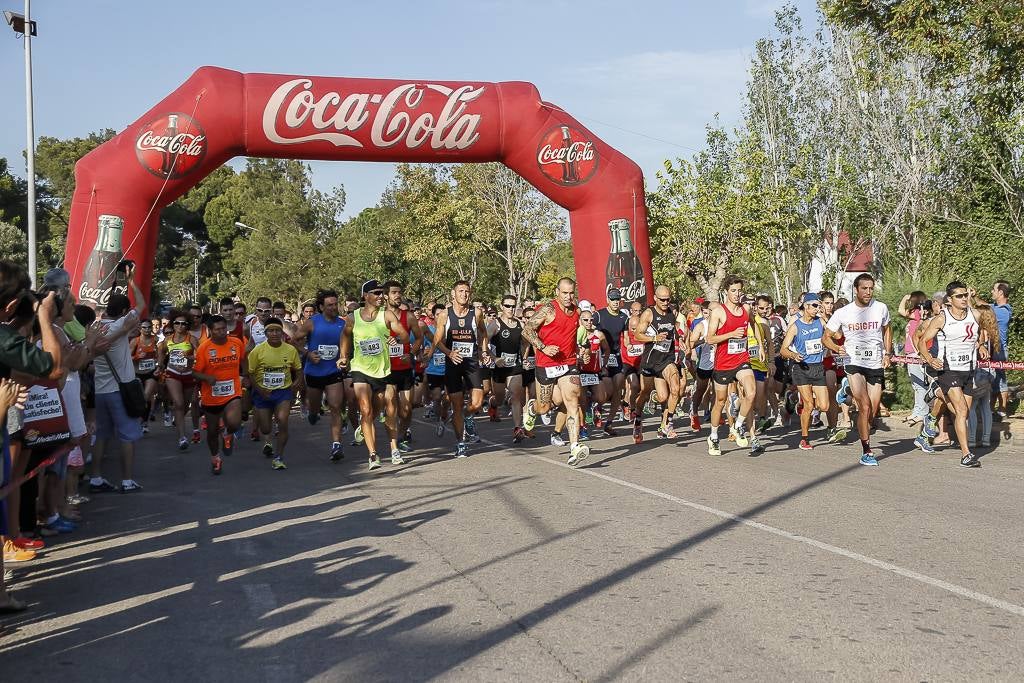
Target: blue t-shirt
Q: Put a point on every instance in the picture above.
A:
(437, 360)
(1003, 313)
(324, 340)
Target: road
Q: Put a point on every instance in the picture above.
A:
(655, 562)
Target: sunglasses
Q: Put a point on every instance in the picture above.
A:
(180, 322)
(962, 295)
(663, 299)
(262, 310)
(377, 292)
(508, 305)
(812, 305)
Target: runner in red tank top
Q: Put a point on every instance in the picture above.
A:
(552, 333)
(632, 353)
(727, 330)
(400, 383)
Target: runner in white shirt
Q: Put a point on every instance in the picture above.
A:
(868, 344)
(957, 330)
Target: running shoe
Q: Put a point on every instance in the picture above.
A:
(312, 416)
(26, 543)
(732, 434)
(228, 444)
(471, 433)
(764, 424)
(78, 498)
(970, 460)
(182, 444)
(216, 464)
(268, 450)
(462, 450)
(842, 395)
(357, 438)
(382, 418)
(202, 423)
(742, 438)
(598, 420)
(254, 434)
(930, 428)
(868, 458)
(667, 432)
(557, 440)
(336, 452)
(805, 445)
(756, 448)
(167, 419)
(14, 554)
(439, 429)
(374, 461)
(492, 414)
(838, 435)
(102, 486)
(196, 436)
(638, 430)
(816, 420)
(59, 525)
(714, 448)
(546, 419)
(922, 442)
(407, 437)
(404, 446)
(694, 423)
(396, 457)
(278, 464)
(428, 413)
(584, 434)
(529, 417)
(609, 430)
(778, 424)
(627, 414)
(518, 434)
(577, 454)
(588, 416)
(130, 486)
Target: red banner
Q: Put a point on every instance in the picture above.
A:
(219, 114)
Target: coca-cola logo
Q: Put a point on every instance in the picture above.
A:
(98, 296)
(392, 116)
(171, 146)
(634, 291)
(567, 156)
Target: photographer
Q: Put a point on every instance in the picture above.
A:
(120, 321)
(916, 307)
(18, 353)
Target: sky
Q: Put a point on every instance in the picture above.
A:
(647, 77)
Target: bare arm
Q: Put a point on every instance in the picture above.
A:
(544, 316)
(346, 342)
(644, 324)
(787, 341)
(395, 325)
(904, 311)
(440, 324)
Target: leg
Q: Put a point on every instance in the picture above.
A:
(364, 396)
(569, 387)
(859, 391)
(335, 402)
(458, 420)
(806, 395)
(177, 396)
(515, 386)
(748, 387)
(281, 412)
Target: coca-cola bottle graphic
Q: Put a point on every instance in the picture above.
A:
(100, 269)
(570, 172)
(625, 271)
(168, 146)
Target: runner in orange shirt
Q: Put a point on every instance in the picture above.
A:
(219, 370)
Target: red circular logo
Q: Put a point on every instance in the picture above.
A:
(567, 156)
(172, 146)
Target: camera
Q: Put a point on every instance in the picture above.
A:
(125, 265)
(58, 298)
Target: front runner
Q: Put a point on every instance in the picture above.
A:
(612, 322)
(656, 330)
(175, 356)
(276, 372)
(509, 348)
(868, 343)
(363, 348)
(322, 336)
(552, 333)
(219, 370)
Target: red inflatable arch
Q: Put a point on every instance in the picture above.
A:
(218, 114)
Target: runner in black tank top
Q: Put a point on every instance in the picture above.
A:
(657, 330)
(508, 344)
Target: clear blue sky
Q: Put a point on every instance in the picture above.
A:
(662, 69)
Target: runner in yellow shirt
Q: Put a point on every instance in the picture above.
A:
(276, 373)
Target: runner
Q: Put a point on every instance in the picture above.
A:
(175, 356)
(144, 351)
(236, 326)
(612, 322)
(219, 370)
(727, 330)
(367, 334)
(632, 352)
(509, 350)
(435, 374)
(276, 372)
(459, 335)
(656, 330)
(864, 324)
(956, 329)
(596, 386)
(255, 326)
(402, 379)
(322, 336)
(704, 362)
(552, 333)
(761, 362)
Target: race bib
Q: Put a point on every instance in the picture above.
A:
(663, 346)
(438, 359)
(737, 345)
(464, 349)
(147, 365)
(556, 371)
(812, 346)
(754, 350)
(635, 349)
(613, 361)
(178, 359)
(865, 353)
(273, 380)
(588, 379)
(327, 351)
(510, 359)
(529, 363)
(226, 388)
(960, 360)
(395, 350)
(370, 347)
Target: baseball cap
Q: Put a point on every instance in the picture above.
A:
(700, 301)
(614, 294)
(586, 305)
(371, 285)
(811, 296)
(57, 278)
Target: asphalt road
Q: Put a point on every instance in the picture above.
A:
(654, 562)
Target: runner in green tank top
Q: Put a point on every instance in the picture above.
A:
(365, 342)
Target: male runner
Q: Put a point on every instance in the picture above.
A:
(236, 326)
(509, 348)
(143, 350)
(727, 330)
(219, 370)
(322, 336)
(364, 346)
(656, 331)
(402, 379)
(704, 361)
(462, 337)
(552, 333)
(276, 373)
(612, 321)
(956, 329)
(868, 343)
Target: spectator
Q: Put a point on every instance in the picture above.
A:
(981, 406)
(915, 307)
(120, 321)
(1003, 311)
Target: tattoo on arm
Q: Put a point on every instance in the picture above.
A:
(545, 315)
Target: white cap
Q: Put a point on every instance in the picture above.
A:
(586, 305)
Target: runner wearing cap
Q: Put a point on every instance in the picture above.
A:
(612, 322)
(276, 373)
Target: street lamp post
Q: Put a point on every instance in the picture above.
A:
(24, 25)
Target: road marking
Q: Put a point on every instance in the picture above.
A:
(782, 533)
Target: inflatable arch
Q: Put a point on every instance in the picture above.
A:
(218, 114)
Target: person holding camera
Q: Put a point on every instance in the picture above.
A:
(916, 308)
(112, 368)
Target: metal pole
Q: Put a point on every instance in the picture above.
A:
(30, 149)
(195, 266)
